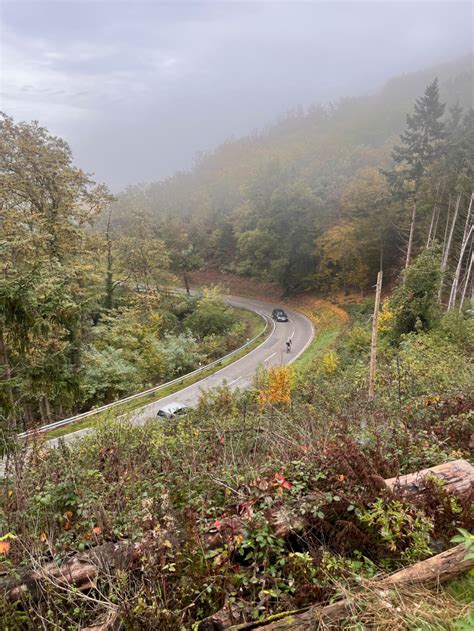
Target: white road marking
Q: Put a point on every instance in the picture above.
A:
(233, 381)
(150, 409)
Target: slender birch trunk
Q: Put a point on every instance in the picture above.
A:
(435, 209)
(457, 274)
(465, 240)
(447, 244)
(451, 232)
(435, 229)
(412, 230)
(448, 217)
(466, 284)
(428, 240)
(373, 344)
(467, 223)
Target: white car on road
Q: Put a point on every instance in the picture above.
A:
(173, 409)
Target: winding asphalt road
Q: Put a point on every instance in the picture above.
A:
(272, 352)
(240, 373)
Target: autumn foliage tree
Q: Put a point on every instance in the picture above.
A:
(276, 387)
(45, 297)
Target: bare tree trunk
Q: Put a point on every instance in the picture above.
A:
(435, 229)
(447, 245)
(381, 251)
(41, 411)
(412, 230)
(465, 239)
(457, 274)
(47, 408)
(451, 232)
(435, 209)
(373, 344)
(467, 223)
(428, 240)
(466, 284)
(186, 283)
(29, 417)
(448, 217)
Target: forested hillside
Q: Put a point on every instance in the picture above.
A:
(320, 200)
(305, 202)
(260, 506)
(72, 334)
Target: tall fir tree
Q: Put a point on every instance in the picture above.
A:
(421, 145)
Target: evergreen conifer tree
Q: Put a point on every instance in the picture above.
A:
(421, 145)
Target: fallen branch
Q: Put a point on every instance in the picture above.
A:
(438, 569)
(81, 571)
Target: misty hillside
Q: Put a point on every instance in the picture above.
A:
(290, 444)
(239, 203)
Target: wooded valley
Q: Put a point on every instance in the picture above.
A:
(283, 505)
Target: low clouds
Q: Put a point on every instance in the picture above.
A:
(137, 89)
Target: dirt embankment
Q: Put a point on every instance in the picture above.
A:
(316, 309)
(236, 285)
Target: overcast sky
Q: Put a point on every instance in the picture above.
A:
(137, 88)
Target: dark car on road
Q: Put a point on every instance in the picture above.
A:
(279, 315)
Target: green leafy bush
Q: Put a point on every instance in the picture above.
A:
(415, 303)
(404, 531)
(211, 317)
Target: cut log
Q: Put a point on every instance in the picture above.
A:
(457, 475)
(81, 571)
(438, 569)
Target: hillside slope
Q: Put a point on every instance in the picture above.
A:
(258, 205)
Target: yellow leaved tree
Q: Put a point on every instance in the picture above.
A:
(275, 388)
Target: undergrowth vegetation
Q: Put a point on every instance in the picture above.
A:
(264, 501)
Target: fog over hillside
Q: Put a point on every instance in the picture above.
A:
(236, 361)
(138, 89)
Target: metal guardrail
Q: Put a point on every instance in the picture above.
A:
(133, 397)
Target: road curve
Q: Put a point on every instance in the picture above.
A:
(240, 373)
